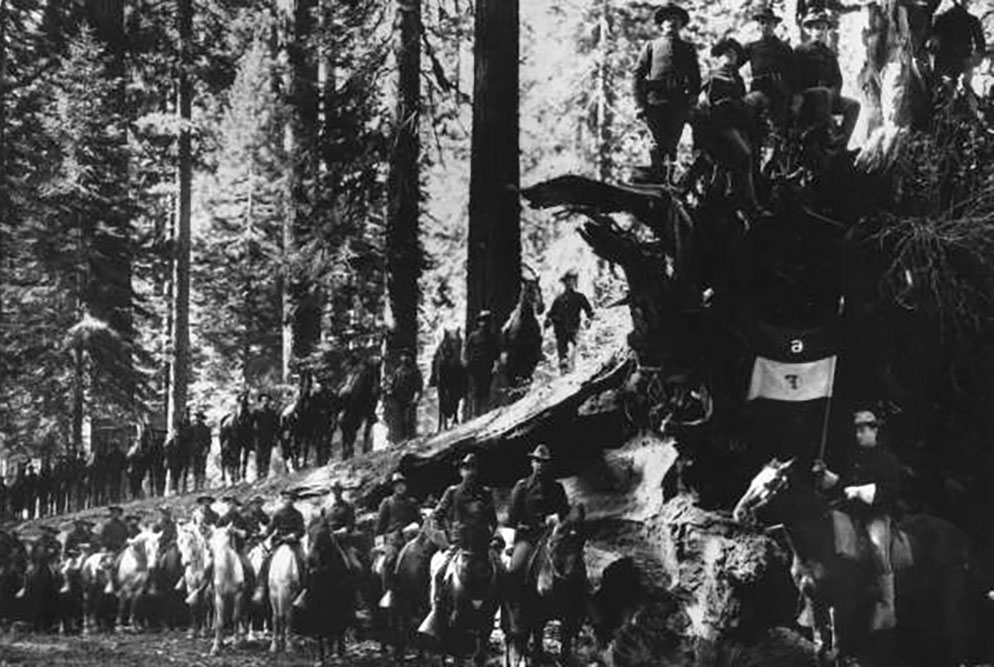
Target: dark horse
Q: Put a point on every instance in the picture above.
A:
(448, 373)
(178, 450)
(469, 601)
(235, 436)
(331, 600)
(521, 339)
(358, 398)
(932, 570)
(555, 588)
(412, 584)
(309, 424)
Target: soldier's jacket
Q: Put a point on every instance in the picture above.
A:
(958, 35)
(206, 515)
(667, 72)
(817, 67)
(532, 500)
(726, 90)
(396, 512)
(201, 435)
(114, 535)
(286, 522)
(341, 515)
(267, 424)
(482, 350)
(772, 63)
(467, 510)
(168, 529)
(256, 518)
(875, 465)
(565, 311)
(238, 522)
(74, 541)
(406, 383)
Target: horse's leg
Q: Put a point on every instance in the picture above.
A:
(236, 618)
(218, 623)
(275, 643)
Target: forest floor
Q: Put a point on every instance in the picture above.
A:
(156, 649)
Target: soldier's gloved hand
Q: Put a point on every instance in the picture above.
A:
(818, 468)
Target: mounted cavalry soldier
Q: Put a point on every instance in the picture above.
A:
(286, 525)
(667, 81)
(167, 527)
(535, 500)
(256, 518)
(397, 513)
(204, 515)
(114, 536)
(870, 487)
(341, 522)
(467, 513)
(77, 539)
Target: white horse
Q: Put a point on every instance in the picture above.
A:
(230, 583)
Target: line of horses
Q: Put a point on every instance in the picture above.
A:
(202, 583)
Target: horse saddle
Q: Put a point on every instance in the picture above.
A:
(851, 541)
(480, 569)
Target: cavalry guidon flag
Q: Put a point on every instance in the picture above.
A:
(785, 381)
(793, 365)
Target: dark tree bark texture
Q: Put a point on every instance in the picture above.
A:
(494, 257)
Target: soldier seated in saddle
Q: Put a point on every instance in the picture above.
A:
(78, 539)
(733, 122)
(256, 519)
(286, 526)
(114, 535)
(870, 488)
(397, 513)
(774, 72)
(819, 82)
(166, 528)
(341, 522)
(204, 515)
(467, 513)
(536, 501)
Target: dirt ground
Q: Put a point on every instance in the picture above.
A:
(154, 649)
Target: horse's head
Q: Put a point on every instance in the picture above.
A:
(190, 542)
(146, 546)
(451, 346)
(566, 541)
(220, 539)
(764, 489)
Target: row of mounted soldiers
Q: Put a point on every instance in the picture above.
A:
(796, 88)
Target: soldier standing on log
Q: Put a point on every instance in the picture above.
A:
(480, 353)
(404, 389)
(774, 73)
(667, 81)
(266, 424)
(201, 439)
(820, 83)
(564, 318)
(871, 487)
(957, 42)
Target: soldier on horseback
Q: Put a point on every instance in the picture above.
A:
(256, 518)
(286, 525)
(341, 522)
(534, 500)
(467, 513)
(870, 488)
(77, 538)
(204, 515)
(397, 512)
(167, 529)
(114, 535)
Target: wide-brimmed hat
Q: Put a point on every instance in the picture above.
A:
(288, 493)
(115, 509)
(818, 17)
(541, 453)
(469, 462)
(397, 477)
(337, 485)
(861, 417)
(570, 274)
(256, 500)
(231, 500)
(133, 518)
(669, 10)
(727, 45)
(205, 499)
(766, 13)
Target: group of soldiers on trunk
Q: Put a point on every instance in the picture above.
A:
(792, 88)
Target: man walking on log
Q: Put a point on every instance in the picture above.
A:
(871, 487)
(667, 81)
(564, 318)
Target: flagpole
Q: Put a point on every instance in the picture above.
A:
(828, 403)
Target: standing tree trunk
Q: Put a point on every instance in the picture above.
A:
(403, 250)
(494, 254)
(180, 369)
(605, 92)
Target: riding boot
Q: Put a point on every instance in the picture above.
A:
(884, 616)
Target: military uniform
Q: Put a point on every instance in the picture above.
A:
(774, 77)
(667, 80)
(205, 517)
(256, 521)
(958, 37)
(819, 79)
(75, 540)
(114, 535)
(287, 523)
(267, 424)
(467, 511)
(405, 387)
(234, 519)
(341, 515)
(564, 316)
(201, 438)
(481, 351)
